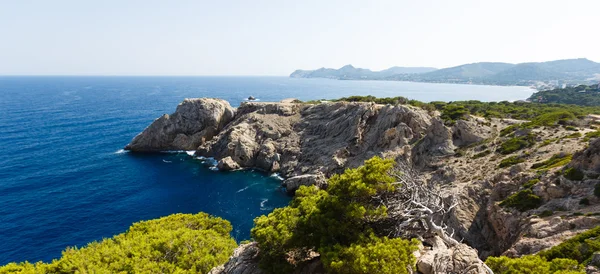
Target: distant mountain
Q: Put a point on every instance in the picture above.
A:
(349, 72)
(551, 73)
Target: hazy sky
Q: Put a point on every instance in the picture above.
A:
(111, 37)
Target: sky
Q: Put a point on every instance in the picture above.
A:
(151, 37)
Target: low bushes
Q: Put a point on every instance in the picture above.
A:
(557, 160)
(523, 200)
(517, 143)
(510, 161)
(573, 174)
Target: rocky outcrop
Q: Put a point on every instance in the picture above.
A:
(440, 258)
(296, 139)
(293, 183)
(243, 261)
(470, 131)
(589, 159)
(227, 164)
(194, 122)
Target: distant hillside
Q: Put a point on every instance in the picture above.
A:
(542, 74)
(580, 95)
(349, 72)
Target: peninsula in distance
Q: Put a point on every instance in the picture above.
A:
(541, 75)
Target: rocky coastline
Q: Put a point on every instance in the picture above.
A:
(307, 143)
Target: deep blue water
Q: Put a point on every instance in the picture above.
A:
(65, 182)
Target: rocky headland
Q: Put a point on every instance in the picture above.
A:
(508, 201)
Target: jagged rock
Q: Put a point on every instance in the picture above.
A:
(588, 159)
(436, 143)
(293, 183)
(243, 261)
(193, 122)
(443, 259)
(327, 138)
(227, 164)
(466, 132)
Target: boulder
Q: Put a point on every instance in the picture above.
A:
(194, 122)
(227, 164)
(243, 261)
(293, 183)
(440, 258)
(466, 132)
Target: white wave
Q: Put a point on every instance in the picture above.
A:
(173, 151)
(167, 161)
(120, 151)
(277, 176)
(214, 168)
(190, 152)
(242, 189)
(263, 202)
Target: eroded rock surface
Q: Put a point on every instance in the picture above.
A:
(194, 122)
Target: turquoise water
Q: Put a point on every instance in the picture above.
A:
(64, 180)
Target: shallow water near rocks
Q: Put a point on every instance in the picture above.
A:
(64, 180)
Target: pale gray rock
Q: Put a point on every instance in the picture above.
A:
(243, 261)
(466, 132)
(440, 258)
(296, 139)
(194, 122)
(293, 183)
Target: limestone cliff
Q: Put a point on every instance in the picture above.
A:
(194, 122)
(308, 142)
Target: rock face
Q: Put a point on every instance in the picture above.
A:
(588, 159)
(194, 122)
(243, 261)
(296, 139)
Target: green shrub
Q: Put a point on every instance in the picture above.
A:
(523, 200)
(584, 201)
(556, 160)
(573, 135)
(531, 183)
(532, 264)
(482, 154)
(336, 223)
(517, 143)
(510, 161)
(546, 213)
(179, 243)
(591, 135)
(377, 256)
(571, 128)
(580, 247)
(573, 174)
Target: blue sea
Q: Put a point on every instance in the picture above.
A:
(65, 180)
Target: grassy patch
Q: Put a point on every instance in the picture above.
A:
(523, 200)
(573, 135)
(510, 161)
(591, 135)
(482, 154)
(531, 183)
(517, 143)
(556, 160)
